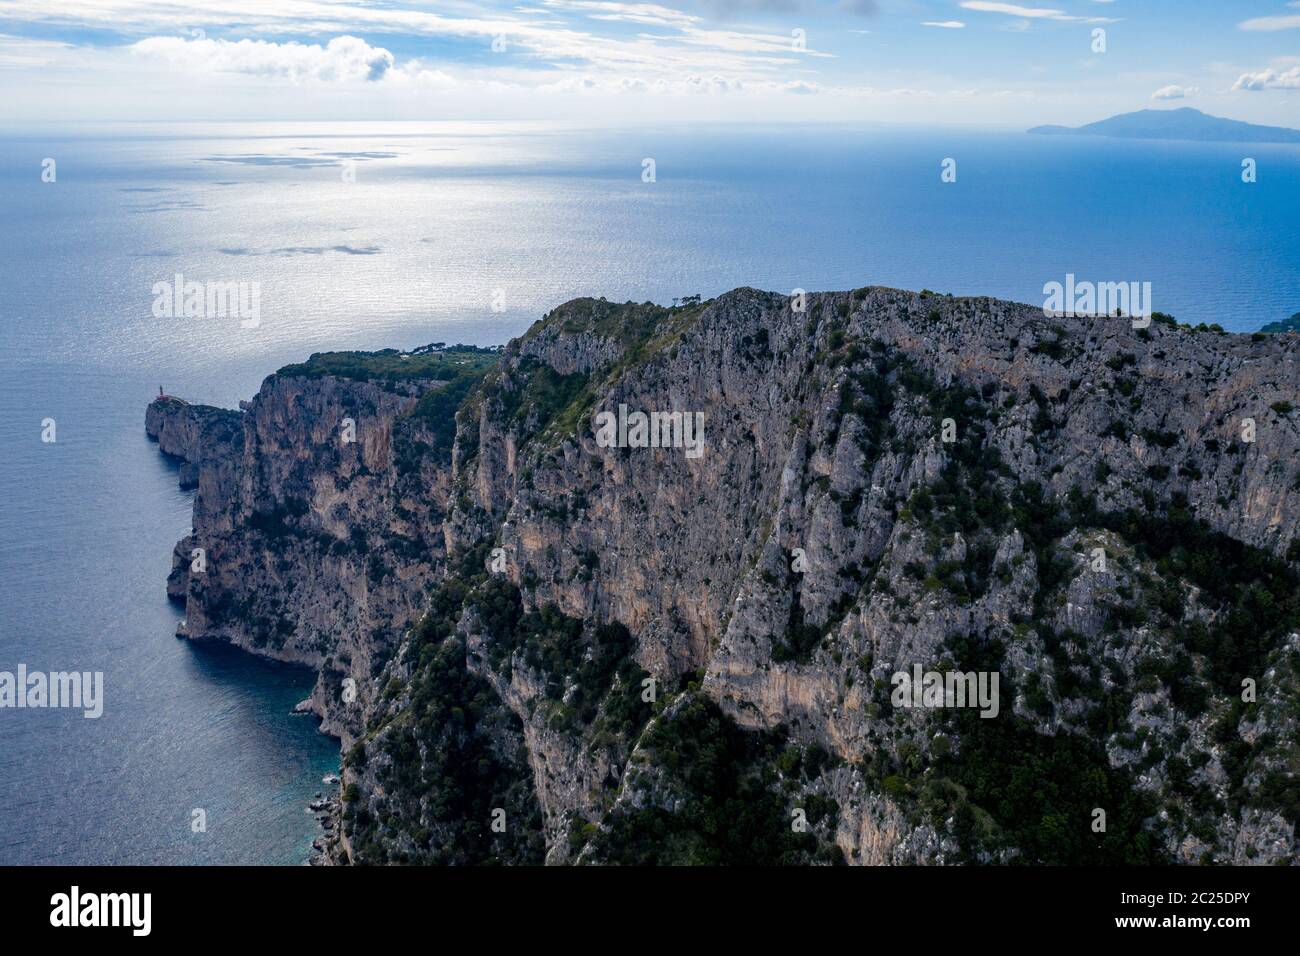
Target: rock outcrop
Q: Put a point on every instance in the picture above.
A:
(539, 644)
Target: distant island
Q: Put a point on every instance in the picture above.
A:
(1286, 325)
(1184, 123)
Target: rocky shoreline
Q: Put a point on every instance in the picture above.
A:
(327, 810)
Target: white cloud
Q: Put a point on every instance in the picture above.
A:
(1269, 79)
(1271, 24)
(342, 59)
(695, 83)
(1029, 13)
(712, 84)
(414, 75)
(572, 84)
(1290, 21)
(555, 43)
(1174, 92)
(26, 53)
(138, 57)
(651, 14)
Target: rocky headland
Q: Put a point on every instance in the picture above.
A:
(536, 646)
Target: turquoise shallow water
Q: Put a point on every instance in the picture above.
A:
(443, 221)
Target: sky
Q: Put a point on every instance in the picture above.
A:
(606, 61)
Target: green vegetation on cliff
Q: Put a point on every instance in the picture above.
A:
(582, 666)
(534, 395)
(1286, 325)
(734, 804)
(452, 755)
(390, 366)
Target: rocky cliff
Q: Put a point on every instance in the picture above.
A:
(547, 629)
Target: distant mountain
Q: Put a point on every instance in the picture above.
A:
(1184, 123)
(1286, 325)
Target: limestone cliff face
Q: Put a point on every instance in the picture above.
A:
(194, 435)
(313, 541)
(1102, 515)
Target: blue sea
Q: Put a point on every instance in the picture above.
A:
(372, 235)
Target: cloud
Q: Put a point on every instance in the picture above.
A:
(770, 48)
(1290, 21)
(945, 24)
(591, 36)
(650, 14)
(726, 9)
(1269, 79)
(1029, 13)
(1173, 92)
(342, 59)
(694, 83)
(26, 53)
(712, 84)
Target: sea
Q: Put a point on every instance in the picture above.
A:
(397, 234)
